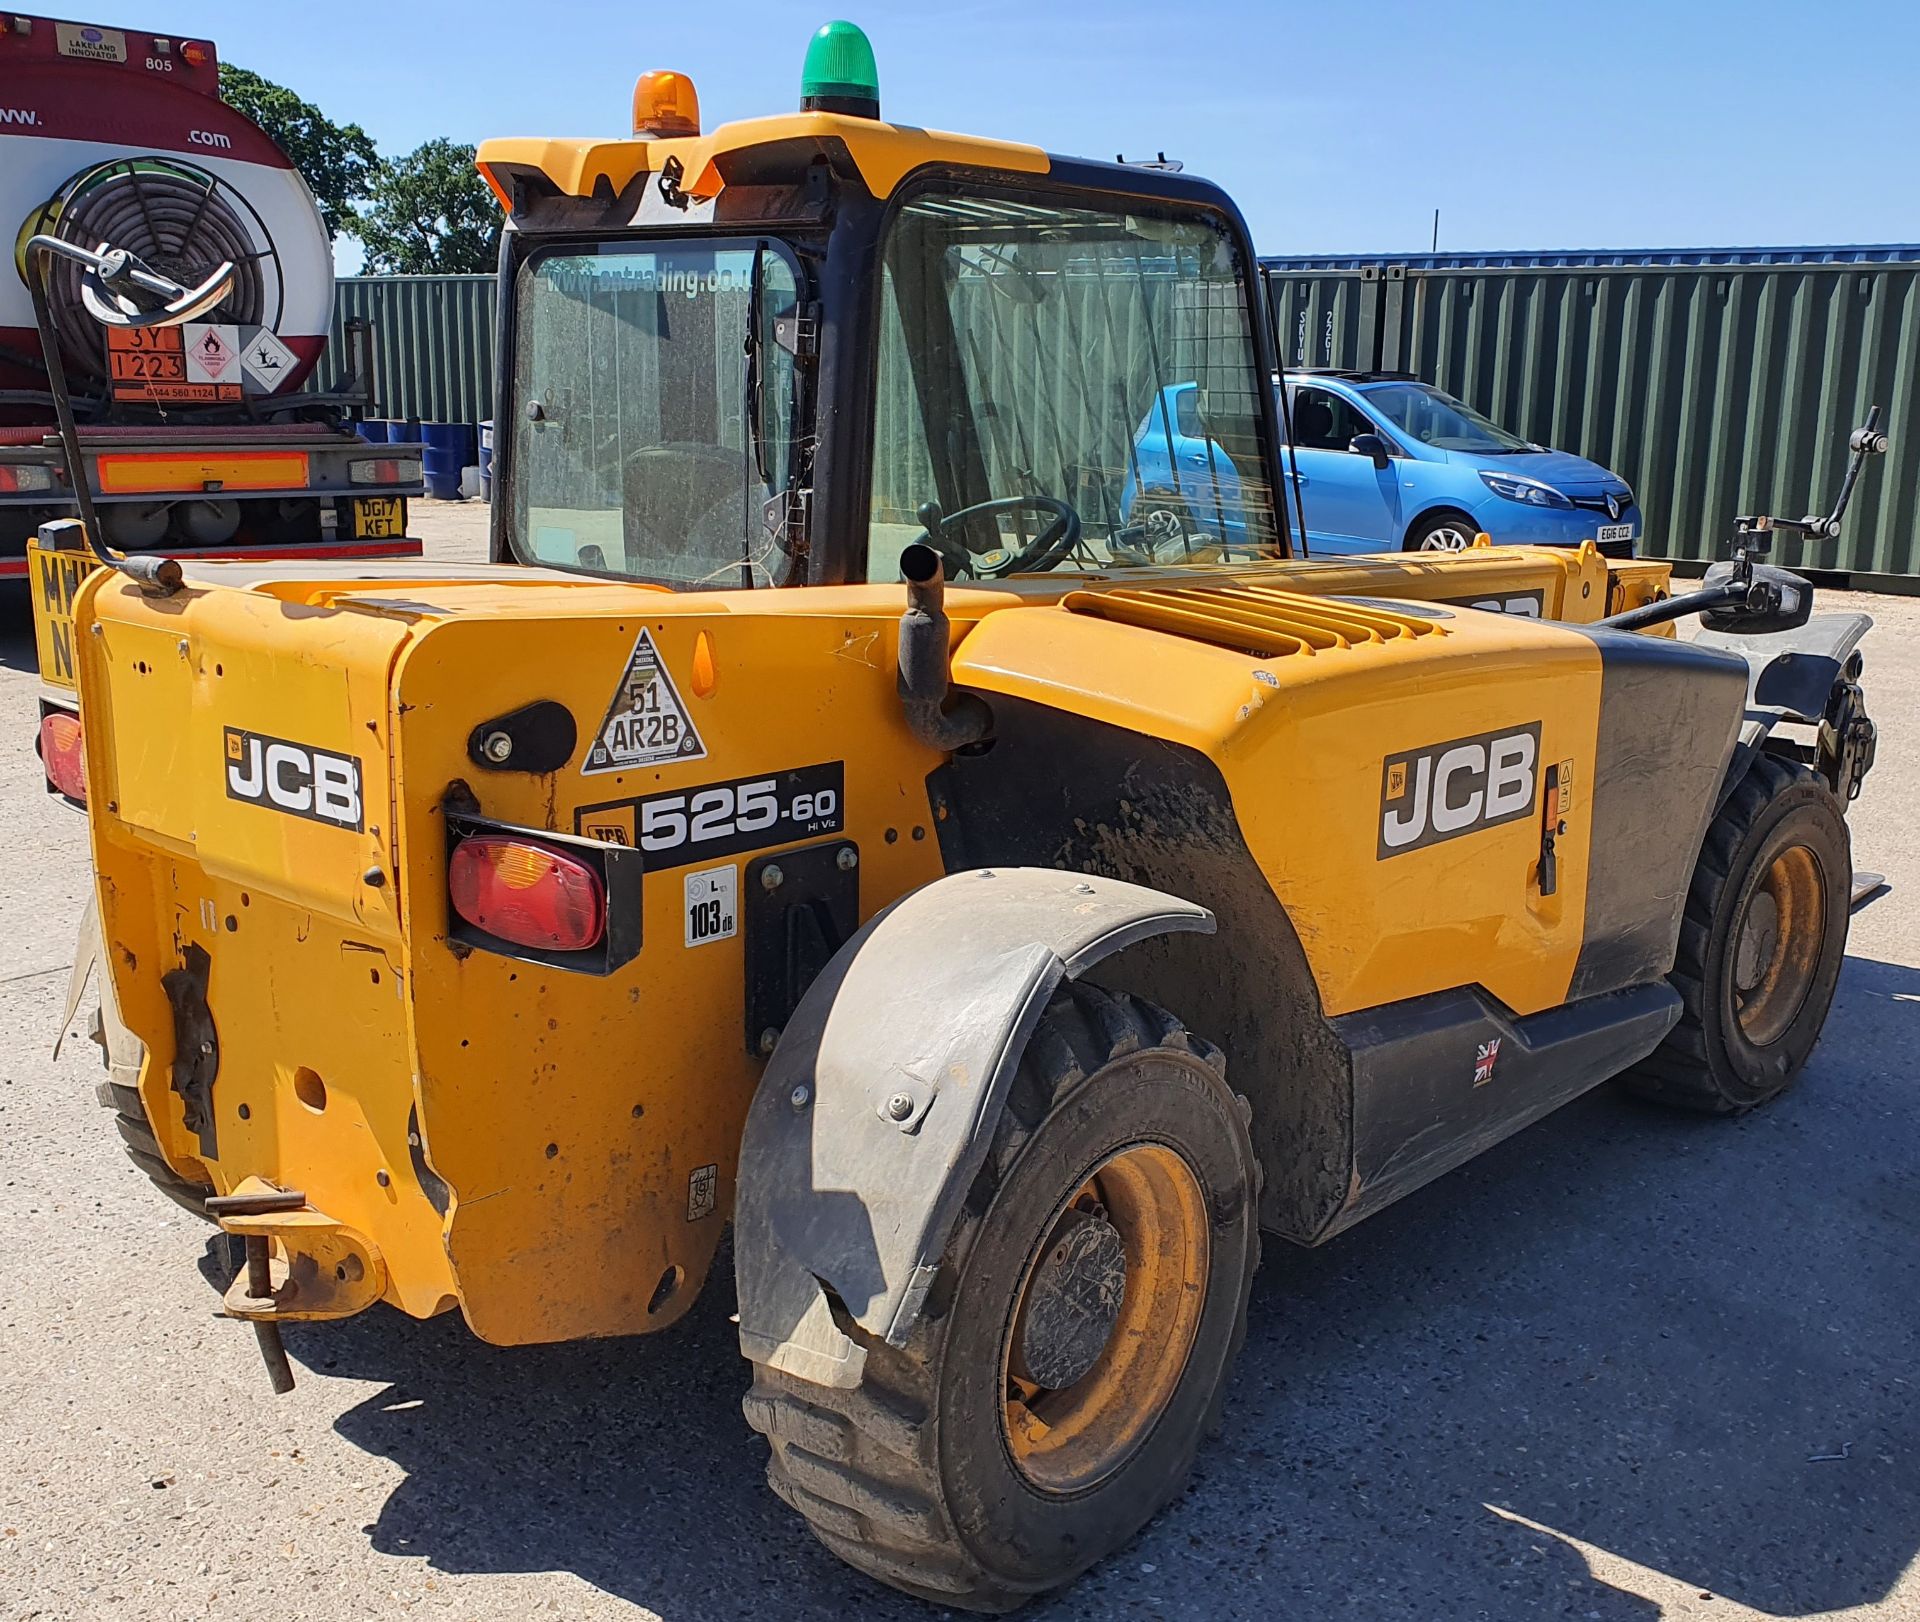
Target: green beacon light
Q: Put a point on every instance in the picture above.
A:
(839, 75)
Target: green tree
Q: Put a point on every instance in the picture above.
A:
(431, 214)
(338, 160)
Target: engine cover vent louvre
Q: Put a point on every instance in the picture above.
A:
(1260, 621)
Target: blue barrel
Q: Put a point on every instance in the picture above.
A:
(486, 461)
(449, 448)
(376, 430)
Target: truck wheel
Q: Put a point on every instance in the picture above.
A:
(121, 1052)
(1761, 942)
(1076, 1343)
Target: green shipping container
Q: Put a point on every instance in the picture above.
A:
(1714, 389)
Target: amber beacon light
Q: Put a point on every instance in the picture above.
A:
(665, 105)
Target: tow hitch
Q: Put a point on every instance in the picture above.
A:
(300, 1264)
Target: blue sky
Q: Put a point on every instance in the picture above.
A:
(1338, 127)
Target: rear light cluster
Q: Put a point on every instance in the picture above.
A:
(22, 478)
(61, 754)
(527, 894)
(384, 470)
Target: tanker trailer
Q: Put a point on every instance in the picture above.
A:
(199, 439)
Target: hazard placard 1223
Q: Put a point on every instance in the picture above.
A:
(150, 363)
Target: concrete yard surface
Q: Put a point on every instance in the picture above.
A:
(1630, 1364)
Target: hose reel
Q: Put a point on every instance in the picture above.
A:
(174, 217)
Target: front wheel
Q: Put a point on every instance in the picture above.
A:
(1076, 1343)
(1761, 944)
(1442, 532)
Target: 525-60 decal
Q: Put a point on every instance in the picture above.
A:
(723, 819)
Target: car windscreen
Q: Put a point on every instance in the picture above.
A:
(654, 421)
(1431, 417)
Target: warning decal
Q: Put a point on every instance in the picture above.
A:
(647, 724)
(212, 351)
(265, 358)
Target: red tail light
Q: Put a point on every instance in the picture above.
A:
(60, 754)
(527, 894)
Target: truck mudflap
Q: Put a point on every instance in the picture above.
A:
(882, 1097)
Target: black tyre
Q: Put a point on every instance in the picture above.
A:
(1761, 944)
(1442, 531)
(1076, 1344)
(120, 1052)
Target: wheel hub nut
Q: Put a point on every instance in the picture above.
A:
(1072, 1302)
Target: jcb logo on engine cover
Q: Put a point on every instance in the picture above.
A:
(292, 777)
(1448, 789)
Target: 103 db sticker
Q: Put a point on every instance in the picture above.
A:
(713, 905)
(723, 819)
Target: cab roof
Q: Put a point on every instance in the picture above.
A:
(883, 153)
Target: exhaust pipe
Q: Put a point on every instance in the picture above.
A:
(940, 718)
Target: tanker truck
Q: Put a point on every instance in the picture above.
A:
(204, 438)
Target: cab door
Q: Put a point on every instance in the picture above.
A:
(1350, 505)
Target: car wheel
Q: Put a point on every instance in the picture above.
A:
(1442, 532)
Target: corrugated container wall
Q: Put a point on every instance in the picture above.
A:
(1714, 390)
(432, 343)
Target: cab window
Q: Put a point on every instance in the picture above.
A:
(1058, 376)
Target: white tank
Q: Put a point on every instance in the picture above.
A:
(118, 135)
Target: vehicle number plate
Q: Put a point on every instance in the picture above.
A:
(713, 904)
(1615, 532)
(379, 518)
(52, 579)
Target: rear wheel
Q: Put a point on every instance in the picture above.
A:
(1442, 532)
(1761, 944)
(1076, 1343)
(121, 1052)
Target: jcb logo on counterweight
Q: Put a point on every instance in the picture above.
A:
(292, 777)
(1448, 789)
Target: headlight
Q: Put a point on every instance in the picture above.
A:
(1523, 490)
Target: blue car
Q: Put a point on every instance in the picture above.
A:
(1384, 463)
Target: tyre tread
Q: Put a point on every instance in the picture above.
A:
(1681, 1071)
(860, 1465)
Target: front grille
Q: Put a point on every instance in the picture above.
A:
(1598, 504)
(1615, 549)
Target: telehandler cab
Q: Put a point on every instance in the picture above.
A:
(821, 815)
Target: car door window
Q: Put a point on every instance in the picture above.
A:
(1324, 421)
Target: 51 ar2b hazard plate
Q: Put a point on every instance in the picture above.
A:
(647, 723)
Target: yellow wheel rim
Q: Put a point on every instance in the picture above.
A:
(1108, 1309)
(1776, 946)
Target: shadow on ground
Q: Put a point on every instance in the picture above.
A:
(16, 629)
(1653, 1333)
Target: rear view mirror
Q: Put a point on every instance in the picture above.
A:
(1777, 600)
(1370, 445)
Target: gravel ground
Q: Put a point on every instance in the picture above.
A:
(1627, 1365)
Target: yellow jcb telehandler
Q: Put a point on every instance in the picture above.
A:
(833, 811)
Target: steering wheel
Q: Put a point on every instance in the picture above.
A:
(947, 535)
